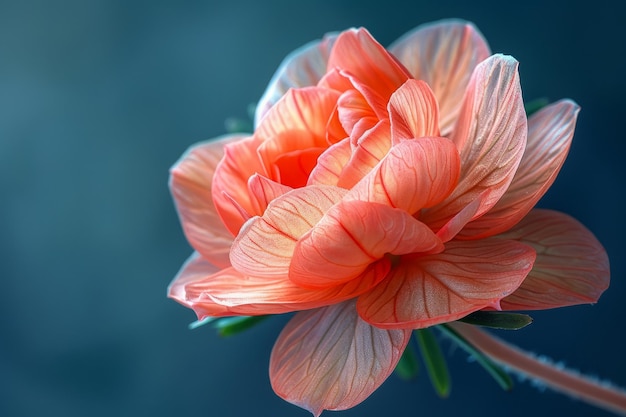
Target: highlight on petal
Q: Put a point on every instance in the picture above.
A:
(228, 292)
(330, 359)
(571, 268)
(265, 244)
(413, 111)
(351, 236)
(415, 174)
(302, 68)
(230, 182)
(432, 289)
(191, 186)
(444, 55)
(550, 133)
(490, 135)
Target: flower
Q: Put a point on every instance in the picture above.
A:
(382, 191)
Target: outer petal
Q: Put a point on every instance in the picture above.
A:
(414, 174)
(550, 133)
(413, 111)
(571, 268)
(443, 54)
(330, 359)
(351, 236)
(191, 183)
(491, 137)
(434, 289)
(229, 292)
(230, 182)
(303, 67)
(265, 244)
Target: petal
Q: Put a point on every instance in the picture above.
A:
(330, 359)
(413, 111)
(351, 236)
(330, 164)
(263, 191)
(433, 289)
(444, 55)
(303, 67)
(414, 174)
(571, 268)
(265, 244)
(230, 183)
(229, 292)
(354, 111)
(550, 133)
(491, 137)
(297, 122)
(191, 184)
(358, 54)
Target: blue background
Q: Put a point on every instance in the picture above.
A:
(99, 98)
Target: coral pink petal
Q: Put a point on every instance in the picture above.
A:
(414, 174)
(229, 292)
(357, 53)
(353, 110)
(230, 182)
(413, 111)
(351, 236)
(550, 133)
(330, 359)
(263, 191)
(191, 184)
(367, 152)
(265, 244)
(571, 268)
(302, 68)
(331, 163)
(444, 55)
(433, 289)
(297, 121)
(491, 137)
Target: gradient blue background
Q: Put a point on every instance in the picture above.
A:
(99, 98)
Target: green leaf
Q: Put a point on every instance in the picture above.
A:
(199, 323)
(228, 326)
(495, 370)
(534, 106)
(498, 320)
(407, 367)
(435, 361)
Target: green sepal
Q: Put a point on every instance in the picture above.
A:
(498, 320)
(435, 362)
(228, 326)
(534, 106)
(407, 366)
(502, 378)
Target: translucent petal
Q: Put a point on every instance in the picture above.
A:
(413, 111)
(571, 268)
(330, 359)
(444, 55)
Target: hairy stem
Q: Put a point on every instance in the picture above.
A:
(562, 380)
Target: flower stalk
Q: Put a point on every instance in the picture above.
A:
(598, 393)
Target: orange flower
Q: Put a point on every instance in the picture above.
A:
(381, 192)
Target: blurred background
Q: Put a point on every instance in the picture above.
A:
(99, 98)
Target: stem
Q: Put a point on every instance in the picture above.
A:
(562, 380)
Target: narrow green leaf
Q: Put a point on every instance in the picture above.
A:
(199, 323)
(435, 361)
(228, 326)
(495, 370)
(535, 105)
(498, 320)
(407, 367)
